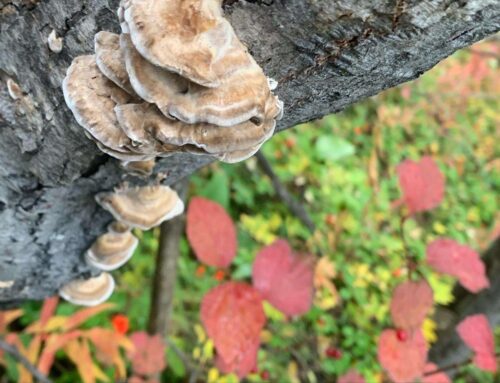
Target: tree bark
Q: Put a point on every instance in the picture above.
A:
(325, 54)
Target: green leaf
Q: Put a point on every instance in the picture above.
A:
(331, 148)
(175, 363)
(217, 189)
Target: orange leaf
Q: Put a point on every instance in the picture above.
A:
(107, 343)
(83, 315)
(53, 343)
(7, 317)
(79, 353)
(48, 309)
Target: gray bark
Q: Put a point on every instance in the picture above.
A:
(325, 54)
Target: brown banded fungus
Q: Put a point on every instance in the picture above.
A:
(188, 37)
(89, 292)
(142, 207)
(177, 79)
(112, 249)
(110, 60)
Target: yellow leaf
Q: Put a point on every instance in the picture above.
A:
(293, 372)
(200, 333)
(442, 287)
(429, 330)
(196, 353)
(439, 228)
(213, 376)
(272, 313)
(208, 351)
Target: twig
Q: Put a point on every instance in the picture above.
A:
(294, 206)
(166, 272)
(454, 366)
(14, 352)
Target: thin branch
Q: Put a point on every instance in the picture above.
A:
(162, 293)
(14, 352)
(295, 207)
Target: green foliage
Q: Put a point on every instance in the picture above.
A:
(343, 169)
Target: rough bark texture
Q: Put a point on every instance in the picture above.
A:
(326, 55)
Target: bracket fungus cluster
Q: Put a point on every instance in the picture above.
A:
(133, 208)
(177, 79)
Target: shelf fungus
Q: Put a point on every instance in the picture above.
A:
(113, 249)
(89, 292)
(177, 79)
(142, 207)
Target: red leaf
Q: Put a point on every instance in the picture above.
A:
(438, 377)
(233, 317)
(148, 356)
(404, 361)
(242, 366)
(48, 309)
(352, 376)
(211, 232)
(476, 333)
(120, 323)
(422, 184)
(283, 278)
(411, 301)
(449, 257)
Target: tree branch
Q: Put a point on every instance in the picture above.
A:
(295, 207)
(162, 291)
(14, 352)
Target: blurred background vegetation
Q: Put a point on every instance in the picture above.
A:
(342, 169)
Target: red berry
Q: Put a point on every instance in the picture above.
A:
(402, 335)
(265, 375)
(333, 353)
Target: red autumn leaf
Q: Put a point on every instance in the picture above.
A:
(242, 366)
(211, 232)
(48, 309)
(233, 317)
(148, 355)
(405, 360)
(449, 257)
(283, 278)
(422, 184)
(438, 377)
(83, 315)
(352, 376)
(411, 301)
(120, 323)
(476, 333)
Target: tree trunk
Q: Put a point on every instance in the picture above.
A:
(325, 54)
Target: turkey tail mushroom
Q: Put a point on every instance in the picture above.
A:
(112, 249)
(188, 37)
(142, 207)
(89, 292)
